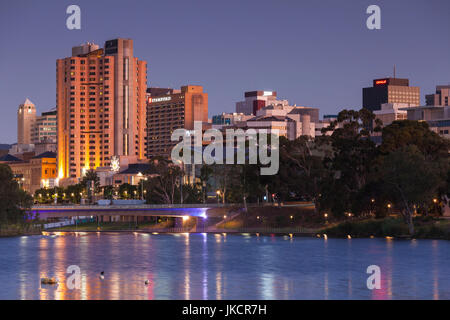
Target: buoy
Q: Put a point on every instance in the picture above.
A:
(146, 282)
(102, 275)
(49, 281)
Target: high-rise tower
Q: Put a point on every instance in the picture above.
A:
(101, 107)
(26, 117)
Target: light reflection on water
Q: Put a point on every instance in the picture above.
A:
(220, 266)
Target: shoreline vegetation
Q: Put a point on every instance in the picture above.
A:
(16, 230)
(293, 222)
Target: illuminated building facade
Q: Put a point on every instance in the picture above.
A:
(37, 172)
(168, 110)
(101, 107)
(390, 90)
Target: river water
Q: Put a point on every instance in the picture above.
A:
(219, 266)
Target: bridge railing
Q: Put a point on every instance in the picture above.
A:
(162, 206)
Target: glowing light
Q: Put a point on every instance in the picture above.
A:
(349, 236)
(185, 218)
(115, 164)
(60, 173)
(325, 237)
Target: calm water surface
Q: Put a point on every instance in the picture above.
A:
(200, 266)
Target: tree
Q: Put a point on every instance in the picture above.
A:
(351, 161)
(191, 193)
(205, 175)
(303, 166)
(162, 184)
(409, 179)
(406, 132)
(14, 201)
(91, 177)
(108, 192)
(74, 192)
(127, 191)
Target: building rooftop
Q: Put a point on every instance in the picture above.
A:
(135, 168)
(270, 118)
(9, 158)
(28, 102)
(47, 154)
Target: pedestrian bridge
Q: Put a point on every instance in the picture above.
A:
(133, 211)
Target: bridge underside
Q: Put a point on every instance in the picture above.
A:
(45, 213)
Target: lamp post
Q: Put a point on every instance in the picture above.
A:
(141, 181)
(142, 188)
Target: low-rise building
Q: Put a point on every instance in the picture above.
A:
(437, 117)
(440, 98)
(37, 172)
(391, 112)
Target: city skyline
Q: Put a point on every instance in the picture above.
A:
(236, 48)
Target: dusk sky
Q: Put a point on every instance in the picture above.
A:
(313, 53)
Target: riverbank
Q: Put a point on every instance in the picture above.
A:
(425, 228)
(293, 222)
(18, 230)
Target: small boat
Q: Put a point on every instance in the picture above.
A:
(49, 281)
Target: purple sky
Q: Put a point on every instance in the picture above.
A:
(313, 53)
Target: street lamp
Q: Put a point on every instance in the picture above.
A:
(142, 186)
(218, 196)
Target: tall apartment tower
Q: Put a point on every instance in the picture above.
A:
(101, 107)
(440, 98)
(390, 90)
(26, 117)
(168, 110)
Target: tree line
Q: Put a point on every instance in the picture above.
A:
(343, 172)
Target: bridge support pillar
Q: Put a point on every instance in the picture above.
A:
(200, 226)
(178, 222)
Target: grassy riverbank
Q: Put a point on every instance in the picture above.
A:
(14, 230)
(115, 226)
(425, 228)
